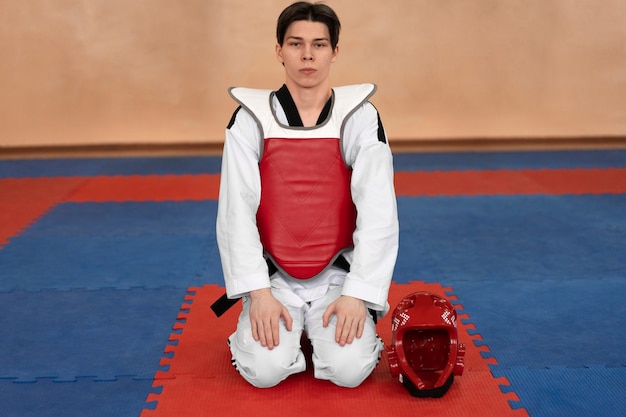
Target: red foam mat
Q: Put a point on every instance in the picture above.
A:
(510, 182)
(148, 188)
(200, 380)
(23, 200)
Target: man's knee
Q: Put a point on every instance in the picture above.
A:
(264, 368)
(350, 374)
(261, 373)
(347, 366)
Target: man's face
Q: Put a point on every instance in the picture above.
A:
(307, 53)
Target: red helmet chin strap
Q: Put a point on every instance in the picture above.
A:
(425, 353)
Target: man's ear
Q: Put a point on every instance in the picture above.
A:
(335, 54)
(279, 53)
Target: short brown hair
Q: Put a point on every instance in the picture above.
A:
(313, 12)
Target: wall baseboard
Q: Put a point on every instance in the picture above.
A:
(509, 144)
(397, 145)
(111, 150)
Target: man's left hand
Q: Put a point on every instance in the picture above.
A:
(351, 314)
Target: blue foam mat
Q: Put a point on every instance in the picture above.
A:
(536, 324)
(67, 167)
(527, 269)
(542, 277)
(98, 334)
(98, 262)
(121, 245)
(504, 238)
(596, 391)
(166, 218)
(430, 161)
(463, 161)
(123, 397)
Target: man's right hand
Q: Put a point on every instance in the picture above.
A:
(265, 314)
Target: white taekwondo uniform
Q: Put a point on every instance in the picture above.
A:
(354, 126)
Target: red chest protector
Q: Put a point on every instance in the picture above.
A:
(306, 216)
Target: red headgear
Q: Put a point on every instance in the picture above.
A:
(425, 353)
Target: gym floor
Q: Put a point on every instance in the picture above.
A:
(108, 267)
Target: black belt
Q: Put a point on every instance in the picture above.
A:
(222, 304)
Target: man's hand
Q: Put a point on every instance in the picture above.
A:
(265, 314)
(351, 314)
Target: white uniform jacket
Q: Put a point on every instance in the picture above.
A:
(366, 151)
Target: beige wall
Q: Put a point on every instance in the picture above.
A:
(156, 71)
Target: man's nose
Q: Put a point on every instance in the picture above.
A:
(307, 54)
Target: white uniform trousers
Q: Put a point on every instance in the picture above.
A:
(346, 366)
